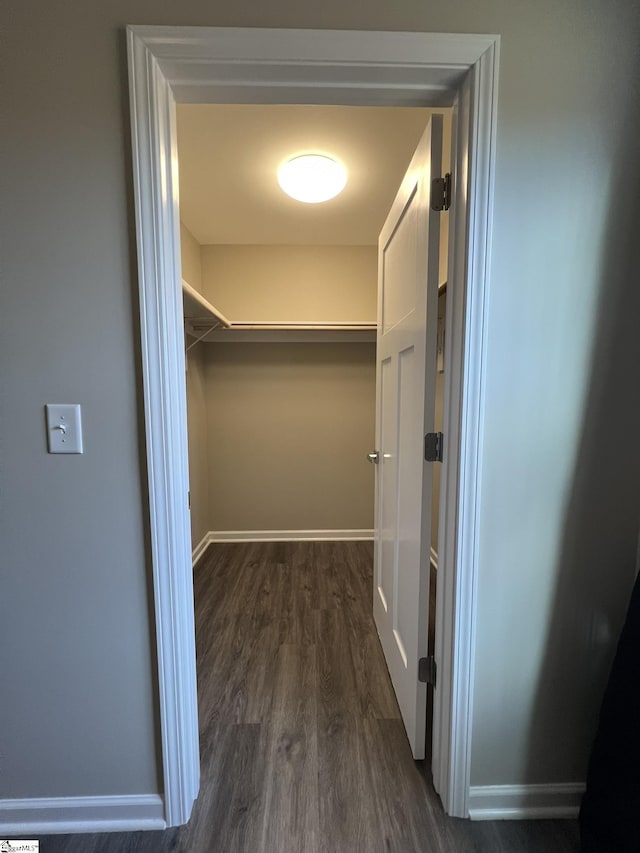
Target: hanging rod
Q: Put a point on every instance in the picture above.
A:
(302, 326)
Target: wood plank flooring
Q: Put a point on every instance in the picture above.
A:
(302, 746)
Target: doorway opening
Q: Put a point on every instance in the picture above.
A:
(280, 423)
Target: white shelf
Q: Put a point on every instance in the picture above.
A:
(284, 333)
(198, 312)
(204, 322)
(301, 325)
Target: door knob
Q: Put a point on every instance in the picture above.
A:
(373, 457)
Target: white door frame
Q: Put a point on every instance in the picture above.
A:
(222, 65)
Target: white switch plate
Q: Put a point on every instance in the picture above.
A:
(64, 427)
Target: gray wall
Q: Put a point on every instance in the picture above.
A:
(560, 466)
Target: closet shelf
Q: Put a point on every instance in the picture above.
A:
(199, 314)
(256, 325)
(293, 333)
(205, 323)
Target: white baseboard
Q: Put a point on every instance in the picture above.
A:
(200, 548)
(54, 815)
(278, 536)
(289, 535)
(434, 558)
(524, 802)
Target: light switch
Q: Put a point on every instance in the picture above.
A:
(64, 427)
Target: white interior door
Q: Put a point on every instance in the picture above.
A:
(405, 396)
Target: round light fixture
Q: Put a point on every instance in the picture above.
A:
(312, 178)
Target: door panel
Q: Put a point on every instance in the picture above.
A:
(386, 514)
(408, 523)
(399, 260)
(406, 371)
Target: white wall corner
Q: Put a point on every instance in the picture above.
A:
(54, 815)
(525, 802)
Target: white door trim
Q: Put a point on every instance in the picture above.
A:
(460, 482)
(217, 65)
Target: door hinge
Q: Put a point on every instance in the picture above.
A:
(441, 193)
(433, 446)
(189, 499)
(427, 670)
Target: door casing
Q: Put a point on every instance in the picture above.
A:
(237, 65)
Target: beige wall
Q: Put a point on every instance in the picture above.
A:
(289, 429)
(444, 216)
(559, 510)
(197, 436)
(287, 426)
(196, 401)
(438, 427)
(442, 302)
(191, 258)
(289, 283)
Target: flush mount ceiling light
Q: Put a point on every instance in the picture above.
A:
(312, 178)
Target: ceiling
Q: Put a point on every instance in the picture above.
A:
(229, 155)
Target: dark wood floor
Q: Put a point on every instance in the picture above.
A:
(302, 746)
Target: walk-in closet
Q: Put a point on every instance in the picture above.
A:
(281, 314)
(280, 317)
